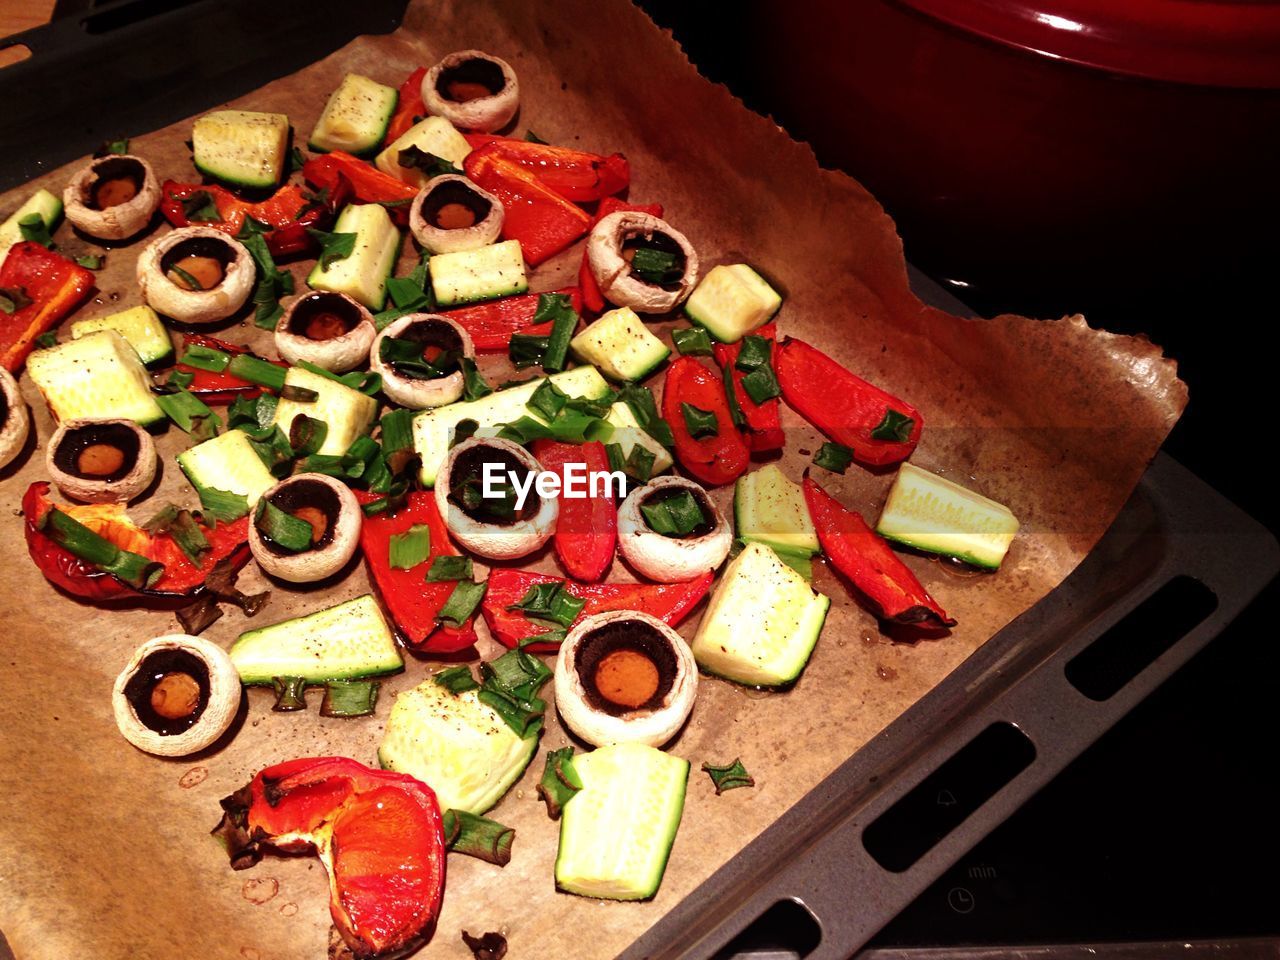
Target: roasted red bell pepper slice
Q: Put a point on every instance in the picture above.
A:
(543, 221)
(492, 324)
(407, 107)
(288, 211)
(218, 388)
(843, 406)
(367, 183)
(866, 559)
(669, 602)
(413, 603)
(80, 579)
(764, 428)
(574, 174)
(591, 295)
(379, 834)
(54, 285)
(714, 460)
(587, 529)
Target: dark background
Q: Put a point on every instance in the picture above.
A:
(1165, 828)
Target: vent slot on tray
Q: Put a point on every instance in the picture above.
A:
(786, 931)
(1102, 669)
(943, 800)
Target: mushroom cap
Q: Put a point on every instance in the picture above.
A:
(670, 559)
(219, 711)
(496, 541)
(438, 239)
(114, 223)
(17, 419)
(613, 273)
(654, 726)
(92, 490)
(195, 306)
(485, 114)
(336, 354)
(318, 562)
(408, 391)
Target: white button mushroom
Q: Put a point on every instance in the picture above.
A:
(196, 275)
(399, 381)
(611, 248)
(112, 198)
(472, 90)
(451, 214)
(331, 330)
(101, 461)
(672, 557)
(332, 518)
(15, 420)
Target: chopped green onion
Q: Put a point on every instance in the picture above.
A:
(656, 266)
(456, 679)
(47, 340)
(531, 137)
(222, 505)
(463, 430)
(180, 379)
(645, 409)
(201, 208)
(256, 370)
(834, 457)
(35, 230)
(462, 602)
(736, 416)
(307, 435)
(692, 341)
(186, 533)
(13, 299)
(283, 529)
(333, 246)
(90, 261)
(272, 282)
(449, 568)
(190, 413)
(349, 698)
(251, 226)
(297, 394)
(201, 357)
(474, 385)
(550, 601)
(109, 147)
(761, 385)
(406, 550)
(273, 450)
(366, 383)
(895, 426)
(397, 431)
(517, 673)
(478, 837)
(700, 423)
(290, 693)
(560, 781)
(415, 158)
(548, 400)
(191, 282)
(753, 353)
(675, 516)
(729, 777)
(134, 569)
(557, 352)
(527, 350)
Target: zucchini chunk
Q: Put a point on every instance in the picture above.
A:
(456, 743)
(433, 429)
(620, 346)
(617, 831)
(229, 463)
(434, 135)
(141, 326)
(362, 275)
(762, 623)
(482, 274)
(97, 377)
(770, 509)
(241, 147)
(933, 514)
(355, 117)
(627, 433)
(349, 641)
(348, 413)
(732, 301)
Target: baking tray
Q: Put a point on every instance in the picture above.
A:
(915, 798)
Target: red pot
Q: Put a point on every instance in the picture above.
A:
(1062, 142)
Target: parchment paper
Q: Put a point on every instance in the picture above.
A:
(105, 852)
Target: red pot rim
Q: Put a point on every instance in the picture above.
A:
(1218, 43)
